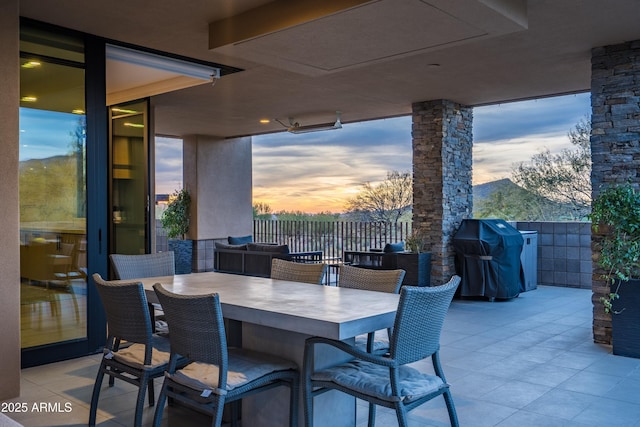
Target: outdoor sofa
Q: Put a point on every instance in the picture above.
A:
(254, 259)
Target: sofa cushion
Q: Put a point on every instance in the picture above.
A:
(281, 249)
(239, 240)
(222, 245)
(393, 247)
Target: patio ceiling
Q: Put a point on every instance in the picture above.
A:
(368, 59)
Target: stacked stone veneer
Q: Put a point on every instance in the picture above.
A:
(442, 181)
(615, 140)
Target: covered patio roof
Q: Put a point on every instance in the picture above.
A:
(368, 59)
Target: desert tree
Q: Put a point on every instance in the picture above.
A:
(564, 177)
(387, 201)
(549, 187)
(261, 210)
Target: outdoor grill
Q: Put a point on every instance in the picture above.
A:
(488, 259)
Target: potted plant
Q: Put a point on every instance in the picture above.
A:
(175, 220)
(415, 242)
(615, 216)
(415, 262)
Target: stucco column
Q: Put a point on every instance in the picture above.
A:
(218, 174)
(615, 142)
(9, 208)
(442, 180)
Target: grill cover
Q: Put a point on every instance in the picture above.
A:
(488, 258)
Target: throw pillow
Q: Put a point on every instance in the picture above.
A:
(239, 240)
(393, 247)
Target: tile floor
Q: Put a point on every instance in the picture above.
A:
(525, 362)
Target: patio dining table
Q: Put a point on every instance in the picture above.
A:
(276, 316)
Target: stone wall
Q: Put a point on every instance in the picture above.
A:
(442, 181)
(615, 140)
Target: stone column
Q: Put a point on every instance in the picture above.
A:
(615, 142)
(442, 180)
(218, 174)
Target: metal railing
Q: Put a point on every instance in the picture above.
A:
(330, 237)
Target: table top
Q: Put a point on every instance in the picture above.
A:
(326, 311)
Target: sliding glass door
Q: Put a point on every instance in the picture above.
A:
(129, 179)
(53, 204)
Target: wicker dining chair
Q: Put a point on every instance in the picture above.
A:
(217, 374)
(298, 271)
(146, 355)
(146, 265)
(388, 281)
(388, 380)
(127, 267)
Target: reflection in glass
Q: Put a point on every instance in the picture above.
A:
(129, 194)
(52, 191)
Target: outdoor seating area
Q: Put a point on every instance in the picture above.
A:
(241, 256)
(528, 361)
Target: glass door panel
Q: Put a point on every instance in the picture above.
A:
(53, 261)
(129, 182)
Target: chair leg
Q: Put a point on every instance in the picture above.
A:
(401, 414)
(95, 396)
(307, 397)
(372, 415)
(453, 416)
(219, 408)
(157, 416)
(140, 401)
(152, 399)
(294, 388)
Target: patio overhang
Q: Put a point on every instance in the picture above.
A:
(368, 60)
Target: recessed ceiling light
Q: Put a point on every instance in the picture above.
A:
(29, 99)
(265, 121)
(123, 110)
(31, 64)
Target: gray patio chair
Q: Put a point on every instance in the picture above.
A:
(127, 267)
(145, 265)
(388, 380)
(146, 355)
(298, 271)
(372, 280)
(217, 374)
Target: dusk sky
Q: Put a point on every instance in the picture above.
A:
(319, 172)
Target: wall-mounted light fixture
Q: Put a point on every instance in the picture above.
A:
(159, 62)
(295, 127)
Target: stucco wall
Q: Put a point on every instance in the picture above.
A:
(9, 208)
(217, 172)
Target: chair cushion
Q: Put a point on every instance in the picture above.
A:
(373, 380)
(393, 247)
(134, 354)
(244, 366)
(241, 240)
